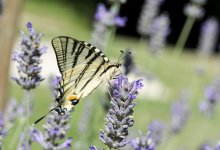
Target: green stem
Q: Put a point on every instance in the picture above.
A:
(109, 39)
(27, 94)
(16, 133)
(111, 33)
(183, 36)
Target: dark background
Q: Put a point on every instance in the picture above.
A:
(174, 8)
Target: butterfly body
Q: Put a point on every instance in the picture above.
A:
(83, 68)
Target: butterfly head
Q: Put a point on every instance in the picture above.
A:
(68, 104)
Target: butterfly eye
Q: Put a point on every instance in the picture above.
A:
(75, 102)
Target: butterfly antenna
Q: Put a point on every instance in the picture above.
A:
(41, 118)
(119, 58)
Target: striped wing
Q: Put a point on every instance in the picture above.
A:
(83, 66)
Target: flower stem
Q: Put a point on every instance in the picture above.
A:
(111, 33)
(27, 95)
(16, 133)
(183, 36)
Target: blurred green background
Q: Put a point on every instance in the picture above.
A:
(55, 17)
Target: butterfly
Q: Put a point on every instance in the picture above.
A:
(83, 68)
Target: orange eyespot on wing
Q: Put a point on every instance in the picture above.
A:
(72, 97)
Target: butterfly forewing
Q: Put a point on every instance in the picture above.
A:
(83, 66)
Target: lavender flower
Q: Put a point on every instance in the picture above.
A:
(22, 143)
(212, 96)
(156, 131)
(217, 146)
(179, 114)
(160, 30)
(118, 1)
(199, 2)
(208, 36)
(205, 147)
(55, 129)
(28, 59)
(8, 118)
(109, 17)
(119, 118)
(143, 143)
(99, 35)
(104, 20)
(84, 124)
(194, 9)
(53, 85)
(93, 148)
(149, 11)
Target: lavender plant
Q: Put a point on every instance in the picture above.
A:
(118, 1)
(149, 11)
(105, 20)
(156, 131)
(7, 119)
(83, 125)
(22, 145)
(119, 118)
(217, 146)
(29, 69)
(205, 146)
(55, 129)
(159, 31)
(144, 142)
(28, 59)
(208, 36)
(53, 85)
(93, 148)
(179, 114)
(193, 11)
(208, 104)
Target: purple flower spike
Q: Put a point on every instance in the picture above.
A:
(8, 118)
(159, 32)
(55, 129)
(143, 143)
(119, 118)
(28, 59)
(156, 129)
(101, 12)
(211, 98)
(120, 21)
(109, 17)
(194, 9)
(205, 146)
(118, 1)
(179, 113)
(148, 13)
(217, 146)
(29, 25)
(208, 36)
(93, 148)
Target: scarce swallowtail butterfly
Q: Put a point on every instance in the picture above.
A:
(83, 68)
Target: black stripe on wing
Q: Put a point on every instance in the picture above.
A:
(88, 64)
(68, 52)
(65, 48)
